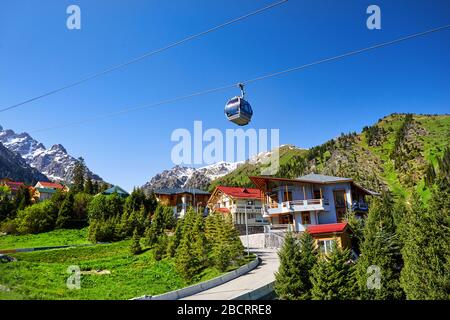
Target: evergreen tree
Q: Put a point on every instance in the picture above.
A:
(160, 248)
(79, 172)
(357, 227)
(95, 187)
(65, 212)
(6, 205)
(223, 241)
(58, 198)
(135, 201)
(156, 228)
(192, 255)
(333, 276)
(426, 246)
(135, 246)
(23, 198)
(89, 186)
(287, 279)
(175, 239)
(380, 249)
(297, 258)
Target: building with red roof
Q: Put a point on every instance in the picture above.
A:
(12, 185)
(44, 190)
(328, 234)
(49, 185)
(315, 203)
(239, 202)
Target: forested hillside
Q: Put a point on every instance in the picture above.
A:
(397, 153)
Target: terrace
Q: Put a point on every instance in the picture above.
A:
(275, 208)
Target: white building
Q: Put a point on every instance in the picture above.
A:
(239, 202)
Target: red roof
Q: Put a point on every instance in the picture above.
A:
(14, 186)
(243, 193)
(51, 185)
(326, 228)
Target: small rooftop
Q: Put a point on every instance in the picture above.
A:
(116, 189)
(327, 228)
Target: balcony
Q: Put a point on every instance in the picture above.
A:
(360, 206)
(241, 209)
(297, 206)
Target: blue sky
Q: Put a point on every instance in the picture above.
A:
(38, 53)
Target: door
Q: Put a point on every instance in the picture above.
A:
(286, 219)
(340, 204)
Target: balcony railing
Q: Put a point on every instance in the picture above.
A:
(297, 205)
(360, 206)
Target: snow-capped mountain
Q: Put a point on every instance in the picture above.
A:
(185, 177)
(55, 162)
(13, 166)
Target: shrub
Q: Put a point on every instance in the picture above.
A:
(37, 218)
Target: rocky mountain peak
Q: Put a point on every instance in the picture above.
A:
(56, 163)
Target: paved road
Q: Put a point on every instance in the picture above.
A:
(263, 274)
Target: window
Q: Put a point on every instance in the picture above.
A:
(287, 196)
(306, 219)
(326, 246)
(317, 194)
(339, 198)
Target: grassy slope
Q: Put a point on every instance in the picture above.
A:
(53, 238)
(43, 274)
(434, 142)
(437, 137)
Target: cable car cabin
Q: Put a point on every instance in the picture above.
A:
(238, 111)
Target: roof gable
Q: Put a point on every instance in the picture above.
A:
(239, 192)
(115, 189)
(53, 185)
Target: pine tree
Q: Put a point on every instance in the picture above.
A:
(192, 255)
(426, 246)
(23, 198)
(79, 172)
(357, 227)
(287, 279)
(381, 250)
(308, 259)
(158, 225)
(297, 258)
(333, 276)
(160, 249)
(95, 187)
(89, 186)
(65, 212)
(175, 239)
(223, 241)
(135, 246)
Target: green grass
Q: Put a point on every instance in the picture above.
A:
(53, 238)
(43, 274)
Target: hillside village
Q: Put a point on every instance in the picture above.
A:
(400, 172)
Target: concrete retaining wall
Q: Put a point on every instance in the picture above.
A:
(196, 288)
(257, 293)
